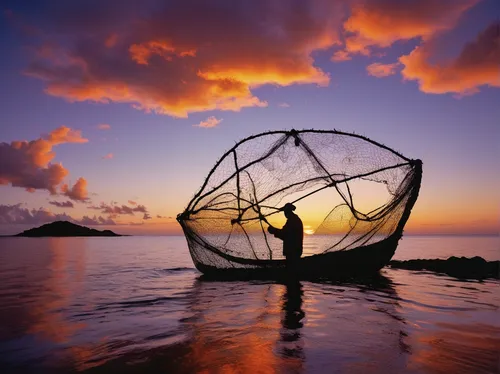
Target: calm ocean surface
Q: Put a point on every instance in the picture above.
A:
(136, 304)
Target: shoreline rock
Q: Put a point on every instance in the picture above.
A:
(459, 267)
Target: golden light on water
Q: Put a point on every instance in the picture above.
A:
(308, 230)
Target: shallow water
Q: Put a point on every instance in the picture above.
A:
(136, 304)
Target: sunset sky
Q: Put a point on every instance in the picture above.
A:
(112, 113)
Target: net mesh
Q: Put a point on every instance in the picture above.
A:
(332, 177)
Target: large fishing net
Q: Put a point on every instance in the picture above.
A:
(349, 191)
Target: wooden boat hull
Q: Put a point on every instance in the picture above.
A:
(361, 261)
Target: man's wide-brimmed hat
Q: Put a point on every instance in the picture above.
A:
(288, 207)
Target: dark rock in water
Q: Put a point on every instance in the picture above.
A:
(64, 228)
(459, 267)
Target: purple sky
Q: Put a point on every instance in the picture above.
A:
(137, 102)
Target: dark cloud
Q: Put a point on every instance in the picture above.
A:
(95, 221)
(114, 209)
(65, 204)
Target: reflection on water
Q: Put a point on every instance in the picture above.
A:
(290, 337)
(67, 268)
(137, 305)
(456, 348)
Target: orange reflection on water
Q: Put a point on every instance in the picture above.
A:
(250, 340)
(48, 312)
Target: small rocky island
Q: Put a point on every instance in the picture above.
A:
(64, 228)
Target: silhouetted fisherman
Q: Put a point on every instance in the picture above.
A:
(292, 235)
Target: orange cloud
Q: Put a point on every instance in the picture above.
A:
(176, 61)
(209, 122)
(78, 192)
(64, 134)
(380, 23)
(108, 156)
(382, 70)
(141, 53)
(28, 164)
(104, 126)
(477, 65)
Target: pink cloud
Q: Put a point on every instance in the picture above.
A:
(341, 55)
(209, 122)
(108, 156)
(28, 164)
(380, 70)
(78, 192)
(104, 126)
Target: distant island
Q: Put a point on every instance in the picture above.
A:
(64, 228)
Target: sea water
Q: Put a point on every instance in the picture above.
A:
(136, 304)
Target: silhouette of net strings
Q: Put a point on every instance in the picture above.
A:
(225, 222)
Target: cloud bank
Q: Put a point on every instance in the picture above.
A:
(15, 214)
(180, 57)
(185, 56)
